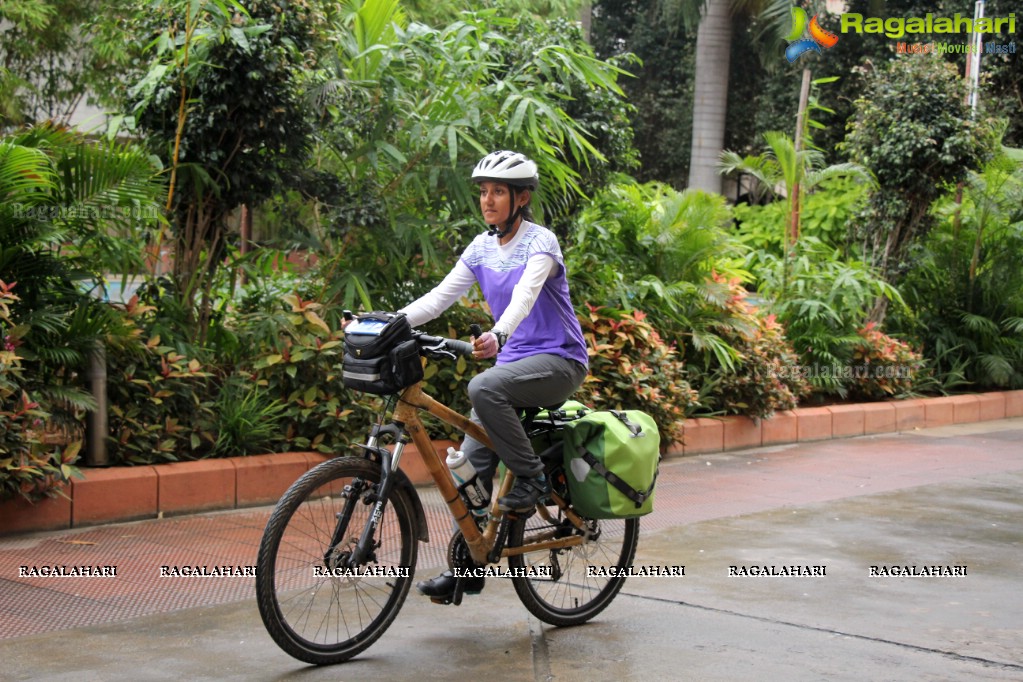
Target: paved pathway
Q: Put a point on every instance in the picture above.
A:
(942, 497)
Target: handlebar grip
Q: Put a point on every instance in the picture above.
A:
(460, 347)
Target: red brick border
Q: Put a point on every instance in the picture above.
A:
(195, 486)
(127, 493)
(847, 420)
(702, 435)
(117, 494)
(783, 427)
(878, 418)
(813, 423)
(939, 412)
(966, 409)
(145, 492)
(910, 414)
(263, 479)
(742, 432)
(843, 421)
(1013, 404)
(992, 406)
(19, 516)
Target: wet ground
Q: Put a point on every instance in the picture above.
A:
(841, 517)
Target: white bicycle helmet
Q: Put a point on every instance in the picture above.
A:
(514, 170)
(511, 168)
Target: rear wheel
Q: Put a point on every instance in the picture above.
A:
(558, 586)
(315, 608)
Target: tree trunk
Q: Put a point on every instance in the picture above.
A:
(245, 237)
(797, 145)
(586, 19)
(710, 97)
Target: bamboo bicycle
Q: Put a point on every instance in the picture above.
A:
(338, 554)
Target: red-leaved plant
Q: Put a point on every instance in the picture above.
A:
(29, 467)
(632, 367)
(882, 367)
(767, 377)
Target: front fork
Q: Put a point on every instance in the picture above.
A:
(359, 489)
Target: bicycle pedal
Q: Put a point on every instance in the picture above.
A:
(453, 599)
(443, 601)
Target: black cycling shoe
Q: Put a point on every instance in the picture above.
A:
(442, 588)
(525, 494)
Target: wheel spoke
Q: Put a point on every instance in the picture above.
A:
(312, 614)
(570, 595)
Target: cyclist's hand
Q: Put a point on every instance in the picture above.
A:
(485, 346)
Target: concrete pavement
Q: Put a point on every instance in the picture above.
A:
(944, 500)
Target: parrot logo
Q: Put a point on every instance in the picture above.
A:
(798, 44)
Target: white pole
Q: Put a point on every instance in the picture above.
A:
(973, 58)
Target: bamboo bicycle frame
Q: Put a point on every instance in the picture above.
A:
(406, 414)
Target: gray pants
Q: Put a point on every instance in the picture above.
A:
(537, 381)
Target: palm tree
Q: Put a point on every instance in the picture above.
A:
(783, 165)
(710, 94)
(70, 210)
(711, 72)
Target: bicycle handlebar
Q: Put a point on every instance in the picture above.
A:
(440, 346)
(435, 346)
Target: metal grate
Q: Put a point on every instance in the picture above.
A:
(30, 605)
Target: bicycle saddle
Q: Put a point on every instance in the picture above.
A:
(533, 411)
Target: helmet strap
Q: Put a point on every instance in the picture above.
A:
(494, 230)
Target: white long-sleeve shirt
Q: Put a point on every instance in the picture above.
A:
(460, 279)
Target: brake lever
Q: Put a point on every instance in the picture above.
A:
(441, 350)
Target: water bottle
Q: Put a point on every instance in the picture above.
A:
(468, 481)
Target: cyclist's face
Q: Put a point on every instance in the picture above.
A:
(496, 201)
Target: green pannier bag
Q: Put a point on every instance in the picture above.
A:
(611, 460)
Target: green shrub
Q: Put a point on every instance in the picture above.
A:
(914, 130)
(821, 298)
(301, 371)
(965, 289)
(762, 228)
(651, 248)
(883, 367)
(632, 367)
(275, 387)
(28, 467)
(768, 375)
(160, 409)
(248, 421)
(826, 214)
(828, 211)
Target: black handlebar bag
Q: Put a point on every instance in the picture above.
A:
(381, 356)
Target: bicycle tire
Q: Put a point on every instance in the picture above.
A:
(325, 619)
(569, 595)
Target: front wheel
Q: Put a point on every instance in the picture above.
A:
(315, 605)
(559, 586)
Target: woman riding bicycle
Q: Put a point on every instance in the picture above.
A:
(339, 552)
(537, 340)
